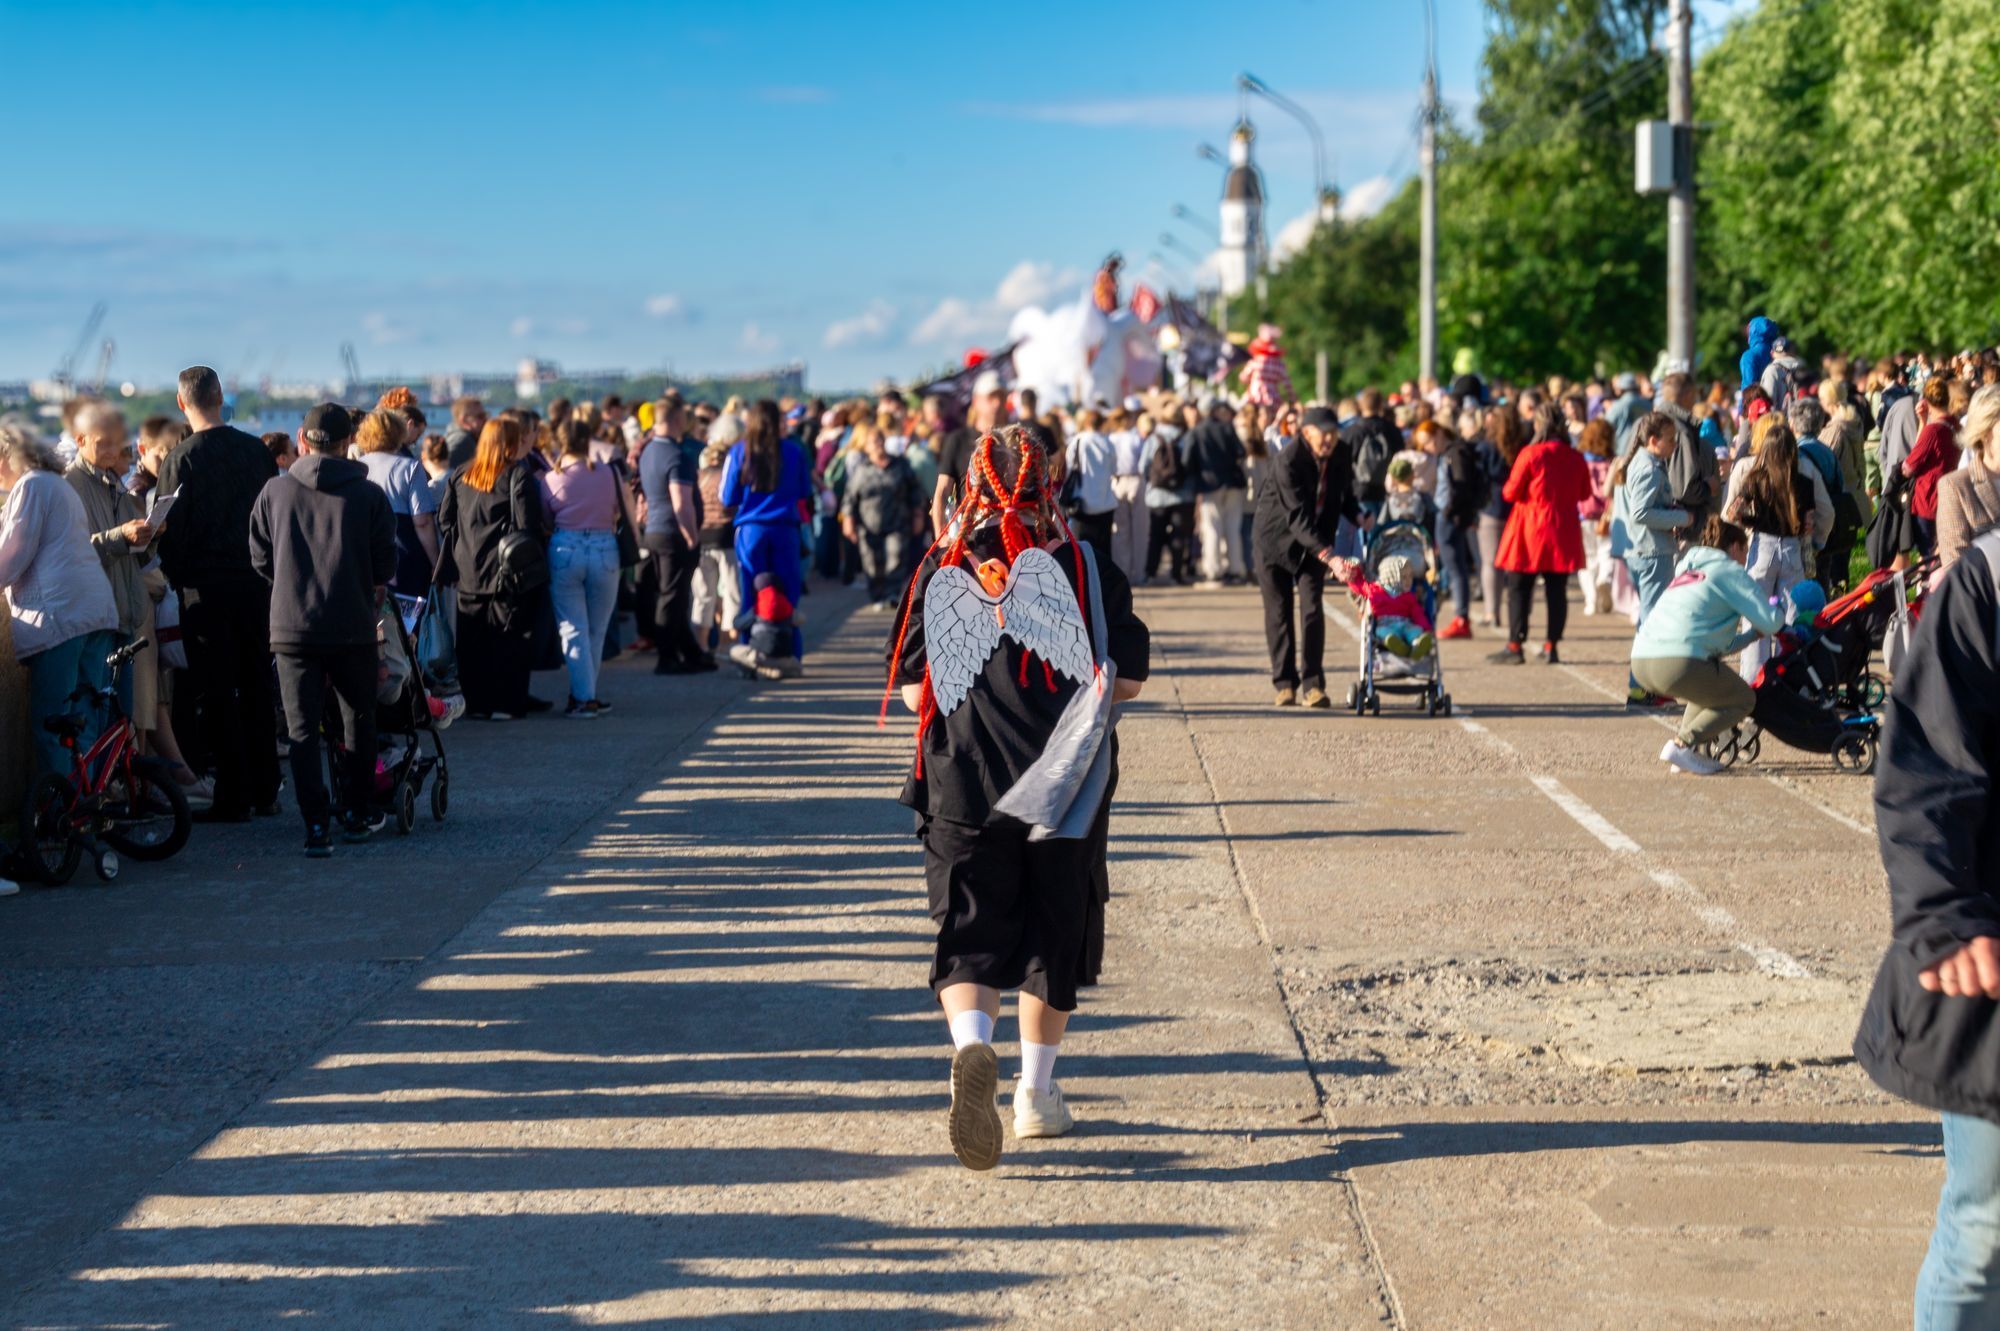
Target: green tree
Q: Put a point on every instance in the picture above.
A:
(1849, 178)
(1347, 293)
(1549, 261)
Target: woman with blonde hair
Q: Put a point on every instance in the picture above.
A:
(1969, 498)
(378, 443)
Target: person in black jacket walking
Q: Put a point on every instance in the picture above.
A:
(498, 578)
(1371, 439)
(1931, 1030)
(1308, 491)
(216, 474)
(323, 537)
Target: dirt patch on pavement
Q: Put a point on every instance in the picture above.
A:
(1698, 1028)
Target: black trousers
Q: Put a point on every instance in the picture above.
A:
(1096, 529)
(1172, 532)
(1281, 586)
(304, 677)
(1521, 590)
(227, 632)
(1461, 565)
(496, 644)
(1011, 913)
(674, 564)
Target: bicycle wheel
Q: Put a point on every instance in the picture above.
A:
(152, 822)
(49, 848)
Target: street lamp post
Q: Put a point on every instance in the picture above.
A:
(1427, 234)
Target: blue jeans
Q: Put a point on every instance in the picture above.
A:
(1959, 1286)
(1650, 575)
(583, 583)
(1461, 564)
(53, 675)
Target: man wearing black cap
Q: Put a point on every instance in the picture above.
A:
(1298, 514)
(322, 535)
(215, 475)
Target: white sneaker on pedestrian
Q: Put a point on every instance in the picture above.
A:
(1041, 1113)
(8, 887)
(1688, 760)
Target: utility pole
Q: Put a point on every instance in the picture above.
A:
(1680, 204)
(1427, 252)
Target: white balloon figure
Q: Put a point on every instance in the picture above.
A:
(1075, 353)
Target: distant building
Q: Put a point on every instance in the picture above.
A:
(531, 375)
(1243, 247)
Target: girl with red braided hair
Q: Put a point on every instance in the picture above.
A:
(1014, 644)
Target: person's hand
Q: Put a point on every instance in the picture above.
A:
(847, 528)
(137, 532)
(1971, 972)
(1367, 522)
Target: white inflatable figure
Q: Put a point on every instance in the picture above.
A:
(1054, 355)
(1127, 360)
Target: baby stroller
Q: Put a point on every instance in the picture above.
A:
(1382, 671)
(405, 717)
(1816, 692)
(1855, 627)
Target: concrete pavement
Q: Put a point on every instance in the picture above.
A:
(1411, 1022)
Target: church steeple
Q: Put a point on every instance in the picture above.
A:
(1243, 248)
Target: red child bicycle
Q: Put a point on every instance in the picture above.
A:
(114, 800)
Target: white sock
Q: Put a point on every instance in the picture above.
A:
(1038, 1064)
(973, 1027)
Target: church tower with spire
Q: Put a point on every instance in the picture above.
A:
(1243, 249)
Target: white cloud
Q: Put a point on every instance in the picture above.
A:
(1028, 282)
(1032, 283)
(1364, 200)
(756, 340)
(666, 305)
(522, 326)
(953, 320)
(1368, 198)
(867, 329)
(383, 330)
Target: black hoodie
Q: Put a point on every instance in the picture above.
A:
(322, 535)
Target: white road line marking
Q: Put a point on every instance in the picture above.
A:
(1588, 818)
(1770, 960)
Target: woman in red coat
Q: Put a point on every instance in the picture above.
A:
(1544, 537)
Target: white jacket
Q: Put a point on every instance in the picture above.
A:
(55, 585)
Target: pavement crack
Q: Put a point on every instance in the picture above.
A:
(1391, 1305)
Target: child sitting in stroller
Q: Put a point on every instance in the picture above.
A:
(1402, 625)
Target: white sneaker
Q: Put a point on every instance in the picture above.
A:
(1689, 761)
(8, 887)
(1041, 1113)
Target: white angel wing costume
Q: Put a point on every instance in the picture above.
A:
(963, 625)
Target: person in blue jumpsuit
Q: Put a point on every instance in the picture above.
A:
(767, 480)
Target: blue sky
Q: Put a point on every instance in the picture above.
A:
(868, 187)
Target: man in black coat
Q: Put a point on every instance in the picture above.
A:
(1931, 1030)
(215, 475)
(1298, 514)
(323, 537)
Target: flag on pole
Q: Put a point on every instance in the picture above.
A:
(1144, 303)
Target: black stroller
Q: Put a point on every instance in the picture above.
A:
(409, 745)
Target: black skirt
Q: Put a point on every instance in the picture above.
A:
(1013, 913)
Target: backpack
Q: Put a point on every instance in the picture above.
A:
(524, 568)
(1166, 471)
(1372, 446)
